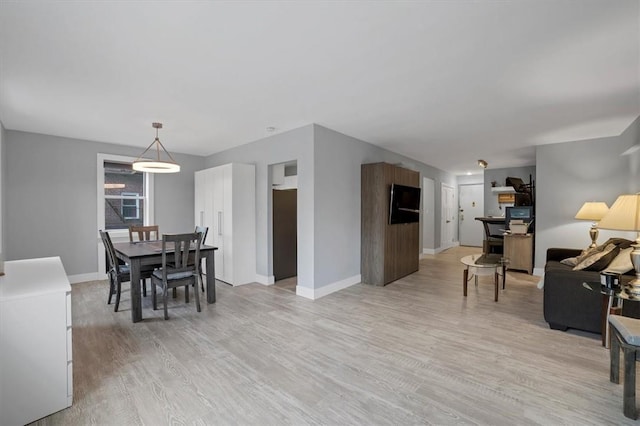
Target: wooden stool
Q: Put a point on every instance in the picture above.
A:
(625, 334)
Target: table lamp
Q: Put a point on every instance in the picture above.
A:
(624, 215)
(594, 211)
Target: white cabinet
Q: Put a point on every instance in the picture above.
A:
(36, 368)
(225, 202)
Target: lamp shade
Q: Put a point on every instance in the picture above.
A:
(592, 210)
(624, 214)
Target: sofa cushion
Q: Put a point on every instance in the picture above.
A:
(598, 260)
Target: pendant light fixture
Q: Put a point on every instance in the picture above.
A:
(157, 165)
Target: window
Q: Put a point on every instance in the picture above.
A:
(130, 205)
(124, 194)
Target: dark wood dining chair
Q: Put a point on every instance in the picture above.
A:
(144, 233)
(178, 270)
(118, 271)
(204, 230)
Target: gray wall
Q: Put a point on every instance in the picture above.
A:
(491, 205)
(51, 197)
(296, 145)
(572, 173)
(328, 197)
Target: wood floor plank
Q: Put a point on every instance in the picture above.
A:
(413, 352)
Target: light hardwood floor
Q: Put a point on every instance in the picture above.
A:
(413, 352)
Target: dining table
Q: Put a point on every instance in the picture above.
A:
(147, 254)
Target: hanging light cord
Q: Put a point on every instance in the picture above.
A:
(158, 146)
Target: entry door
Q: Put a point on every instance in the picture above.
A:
(471, 199)
(285, 233)
(448, 217)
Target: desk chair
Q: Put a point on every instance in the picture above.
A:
(493, 239)
(204, 230)
(144, 233)
(183, 271)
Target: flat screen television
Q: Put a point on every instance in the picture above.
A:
(405, 204)
(524, 213)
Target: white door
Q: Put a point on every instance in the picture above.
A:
(428, 216)
(471, 199)
(447, 227)
(216, 183)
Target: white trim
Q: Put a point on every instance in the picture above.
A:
(81, 278)
(444, 247)
(149, 214)
(538, 272)
(265, 279)
(429, 251)
(327, 289)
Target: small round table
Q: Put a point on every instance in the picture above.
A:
(483, 264)
(612, 299)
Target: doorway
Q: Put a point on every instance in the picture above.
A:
(471, 200)
(285, 225)
(447, 238)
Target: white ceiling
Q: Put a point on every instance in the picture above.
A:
(444, 82)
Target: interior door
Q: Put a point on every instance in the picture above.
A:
(285, 233)
(471, 200)
(216, 185)
(448, 217)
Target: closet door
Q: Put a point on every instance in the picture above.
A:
(218, 219)
(199, 195)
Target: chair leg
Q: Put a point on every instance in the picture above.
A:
(144, 288)
(118, 290)
(614, 354)
(165, 294)
(112, 289)
(629, 390)
(153, 295)
(201, 282)
(186, 293)
(175, 292)
(197, 296)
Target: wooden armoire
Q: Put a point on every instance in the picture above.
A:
(388, 252)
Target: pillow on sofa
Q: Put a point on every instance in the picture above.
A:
(623, 243)
(599, 260)
(570, 261)
(622, 263)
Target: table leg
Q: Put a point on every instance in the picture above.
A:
(607, 305)
(504, 275)
(496, 286)
(136, 299)
(211, 276)
(465, 279)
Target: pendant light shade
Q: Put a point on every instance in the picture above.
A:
(156, 165)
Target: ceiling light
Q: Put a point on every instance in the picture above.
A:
(483, 164)
(157, 165)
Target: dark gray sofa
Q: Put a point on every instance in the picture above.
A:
(567, 304)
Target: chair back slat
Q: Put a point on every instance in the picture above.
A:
(204, 230)
(111, 252)
(182, 261)
(144, 233)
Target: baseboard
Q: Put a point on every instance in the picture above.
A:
(313, 294)
(81, 278)
(265, 280)
(538, 272)
(428, 251)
